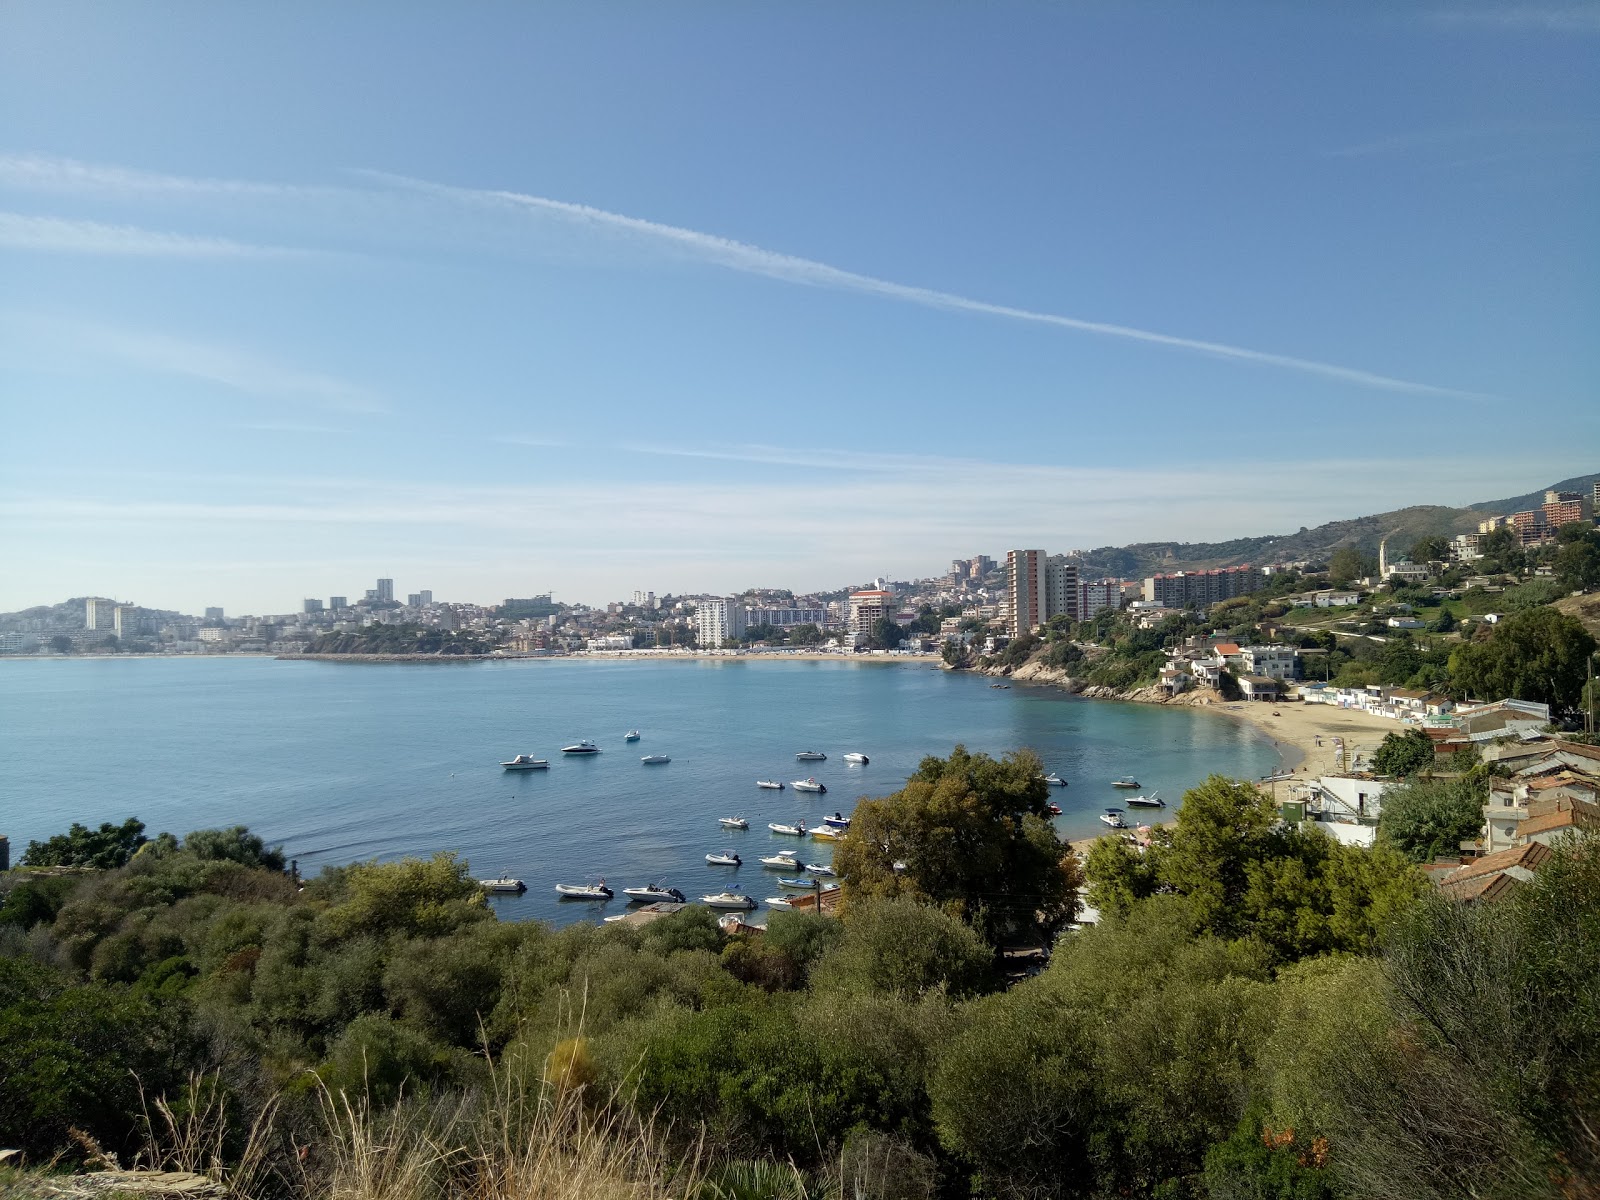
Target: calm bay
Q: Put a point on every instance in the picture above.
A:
(341, 762)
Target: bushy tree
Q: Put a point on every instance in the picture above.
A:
(971, 835)
(1540, 655)
(1402, 754)
(425, 897)
(1426, 818)
(904, 948)
(104, 849)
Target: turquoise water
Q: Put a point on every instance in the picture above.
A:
(339, 762)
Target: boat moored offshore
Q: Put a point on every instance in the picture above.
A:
(1151, 801)
(808, 785)
(505, 885)
(654, 760)
(654, 895)
(796, 830)
(719, 859)
(526, 762)
(728, 900)
(859, 760)
(584, 891)
(733, 822)
(771, 784)
(631, 736)
(582, 747)
(811, 756)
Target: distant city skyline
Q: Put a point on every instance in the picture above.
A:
(504, 300)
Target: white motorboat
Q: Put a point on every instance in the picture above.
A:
(724, 860)
(791, 830)
(733, 822)
(859, 760)
(782, 861)
(808, 785)
(1127, 781)
(583, 747)
(1113, 818)
(1055, 780)
(777, 902)
(728, 900)
(820, 869)
(526, 762)
(1150, 801)
(773, 784)
(584, 891)
(811, 756)
(653, 760)
(631, 736)
(837, 821)
(827, 833)
(505, 885)
(654, 895)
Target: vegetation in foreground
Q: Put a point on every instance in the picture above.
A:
(1260, 1013)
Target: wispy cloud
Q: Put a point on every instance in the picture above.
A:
(50, 341)
(1548, 18)
(60, 235)
(61, 175)
(742, 256)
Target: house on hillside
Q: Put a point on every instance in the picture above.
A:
(1494, 876)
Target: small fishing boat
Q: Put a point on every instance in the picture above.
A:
(797, 884)
(631, 736)
(811, 756)
(1053, 809)
(583, 747)
(820, 869)
(724, 860)
(505, 885)
(1113, 818)
(584, 891)
(654, 760)
(526, 762)
(859, 760)
(654, 895)
(837, 821)
(784, 860)
(771, 784)
(808, 785)
(777, 902)
(1127, 781)
(733, 822)
(798, 830)
(1055, 780)
(728, 900)
(826, 833)
(1150, 801)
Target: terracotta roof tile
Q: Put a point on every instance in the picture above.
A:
(1532, 856)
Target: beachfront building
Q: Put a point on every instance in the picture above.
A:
(783, 618)
(867, 608)
(718, 619)
(98, 612)
(1275, 662)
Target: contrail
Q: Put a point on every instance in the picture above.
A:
(742, 256)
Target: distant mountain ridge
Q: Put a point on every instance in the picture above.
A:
(1402, 526)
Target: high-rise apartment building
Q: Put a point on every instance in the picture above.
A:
(214, 614)
(126, 621)
(385, 590)
(717, 620)
(311, 605)
(97, 612)
(1199, 589)
(867, 608)
(1039, 586)
(338, 602)
(1098, 596)
(781, 618)
(414, 600)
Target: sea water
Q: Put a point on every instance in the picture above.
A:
(339, 762)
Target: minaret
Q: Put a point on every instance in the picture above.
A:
(1383, 558)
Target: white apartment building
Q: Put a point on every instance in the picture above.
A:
(126, 622)
(867, 608)
(1273, 662)
(1096, 597)
(717, 620)
(784, 617)
(98, 613)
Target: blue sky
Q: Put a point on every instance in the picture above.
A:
(499, 299)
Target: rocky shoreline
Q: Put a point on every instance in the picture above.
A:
(1037, 672)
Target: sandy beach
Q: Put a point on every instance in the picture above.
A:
(1305, 735)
